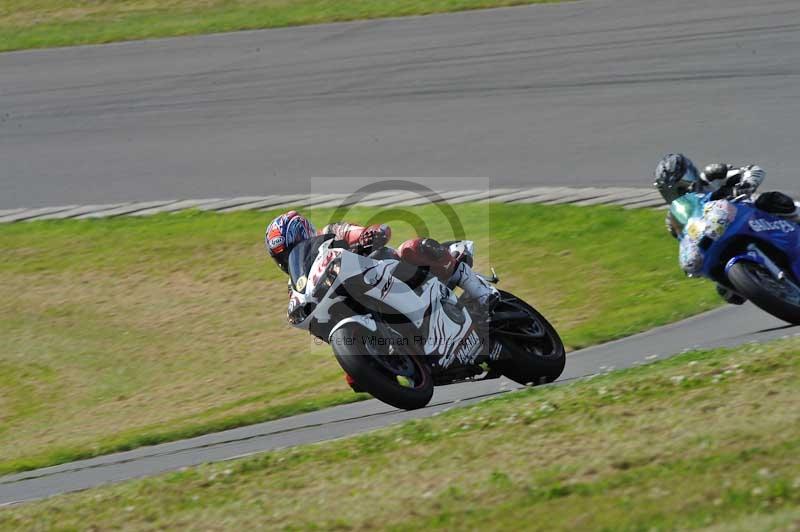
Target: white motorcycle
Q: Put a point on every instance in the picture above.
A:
(397, 331)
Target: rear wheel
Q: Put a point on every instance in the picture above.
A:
(537, 354)
(780, 298)
(396, 378)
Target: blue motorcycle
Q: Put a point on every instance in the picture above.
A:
(751, 252)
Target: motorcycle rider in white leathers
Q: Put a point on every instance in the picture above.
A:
(288, 229)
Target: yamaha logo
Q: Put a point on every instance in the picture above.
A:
(468, 348)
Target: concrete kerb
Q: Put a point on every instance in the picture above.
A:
(630, 198)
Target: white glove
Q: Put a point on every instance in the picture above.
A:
(752, 177)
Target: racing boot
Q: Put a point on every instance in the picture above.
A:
(476, 288)
(482, 298)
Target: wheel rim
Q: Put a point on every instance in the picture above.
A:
(538, 339)
(540, 344)
(398, 367)
(782, 289)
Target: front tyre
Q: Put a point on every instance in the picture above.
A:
(537, 354)
(396, 379)
(756, 283)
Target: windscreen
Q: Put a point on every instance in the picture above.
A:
(301, 259)
(684, 208)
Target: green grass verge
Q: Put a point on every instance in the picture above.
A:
(47, 23)
(706, 440)
(124, 332)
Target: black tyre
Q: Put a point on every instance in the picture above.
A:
(537, 359)
(757, 284)
(397, 379)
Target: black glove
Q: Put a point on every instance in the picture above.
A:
(374, 237)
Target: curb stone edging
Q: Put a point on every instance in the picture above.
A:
(630, 198)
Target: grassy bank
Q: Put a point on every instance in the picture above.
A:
(46, 23)
(707, 440)
(122, 332)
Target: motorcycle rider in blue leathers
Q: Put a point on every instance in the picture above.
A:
(676, 175)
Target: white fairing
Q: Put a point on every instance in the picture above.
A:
(449, 339)
(448, 334)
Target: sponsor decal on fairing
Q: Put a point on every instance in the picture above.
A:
(760, 225)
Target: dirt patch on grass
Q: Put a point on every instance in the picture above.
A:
(137, 350)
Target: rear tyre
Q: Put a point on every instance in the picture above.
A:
(757, 284)
(539, 359)
(396, 379)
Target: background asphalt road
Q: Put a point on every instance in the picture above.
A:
(724, 327)
(589, 92)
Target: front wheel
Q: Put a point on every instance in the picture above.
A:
(537, 354)
(396, 378)
(756, 283)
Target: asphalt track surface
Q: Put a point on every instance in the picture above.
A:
(581, 93)
(724, 327)
(585, 93)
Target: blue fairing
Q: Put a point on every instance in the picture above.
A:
(715, 226)
(757, 226)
